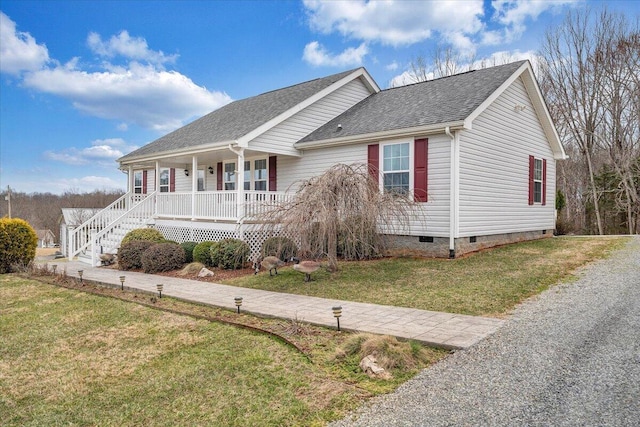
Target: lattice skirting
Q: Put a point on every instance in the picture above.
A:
(202, 232)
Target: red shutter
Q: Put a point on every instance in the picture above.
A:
(273, 175)
(420, 174)
(144, 182)
(373, 160)
(532, 166)
(219, 176)
(544, 182)
(172, 180)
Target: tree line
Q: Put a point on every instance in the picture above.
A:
(44, 210)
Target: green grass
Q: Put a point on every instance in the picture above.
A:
(488, 283)
(72, 358)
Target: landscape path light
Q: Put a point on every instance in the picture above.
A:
(54, 267)
(80, 274)
(159, 286)
(238, 301)
(122, 283)
(337, 312)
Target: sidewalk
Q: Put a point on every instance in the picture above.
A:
(453, 331)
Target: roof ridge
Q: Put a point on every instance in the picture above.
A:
(305, 82)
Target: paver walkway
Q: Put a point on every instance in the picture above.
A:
(454, 331)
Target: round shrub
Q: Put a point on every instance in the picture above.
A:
(281, 247)
(18, 242)
(202, 253)
(230, 254)
(130, 254)
(147, 234)
(188, 250)
(162, 257)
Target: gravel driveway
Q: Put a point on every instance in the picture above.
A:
(569, 357)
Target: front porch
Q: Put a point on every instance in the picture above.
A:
(180, 216)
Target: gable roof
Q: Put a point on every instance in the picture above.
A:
(233, 121)
(445, 100)
(433, 105)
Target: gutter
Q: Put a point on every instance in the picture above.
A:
(377, 136)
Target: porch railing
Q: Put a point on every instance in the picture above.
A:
(215, 205)
(137, 216)
(79, 238)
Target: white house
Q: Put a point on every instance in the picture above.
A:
(477, 149)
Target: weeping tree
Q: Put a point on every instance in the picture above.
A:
(340, 213)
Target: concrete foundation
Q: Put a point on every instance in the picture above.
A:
(438, 247)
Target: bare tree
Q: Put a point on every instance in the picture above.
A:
(589, 87)
(620, 134)
(341, 211)
(444, 61)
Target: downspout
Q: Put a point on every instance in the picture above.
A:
(454, 188)
(240, 189)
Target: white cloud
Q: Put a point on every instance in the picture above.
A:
(513, 14)
(123, 44)
(137, 90)
(151, 98)
(316, 55)
(18, 50)
(394, 23)
(393, 66)
(102, 152)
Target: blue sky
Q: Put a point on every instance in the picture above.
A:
(85, 82)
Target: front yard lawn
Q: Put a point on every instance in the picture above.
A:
(68, 357)
(487, 283)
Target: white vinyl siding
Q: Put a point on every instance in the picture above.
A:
(432, 218)
(494, 169)
(280, 138)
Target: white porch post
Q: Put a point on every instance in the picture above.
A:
(240, 180)
(130, 184)
(194, 186)
(156, 188)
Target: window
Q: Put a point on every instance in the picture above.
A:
(255, 175)
(164, 180)
(537, 181)
(201, 180)
(260, 175)
(395, 167)
(229, 176)
(137, 182)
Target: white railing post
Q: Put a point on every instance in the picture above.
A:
(93, 247)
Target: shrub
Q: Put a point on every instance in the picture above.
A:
(18, 242)
(162, 257)
(146, 234)
(281, 247)
(202, 253)
(230, 254)
(188, 250)
(130, 254)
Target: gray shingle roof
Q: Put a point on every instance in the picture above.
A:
(236, 119)
(443, 100)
